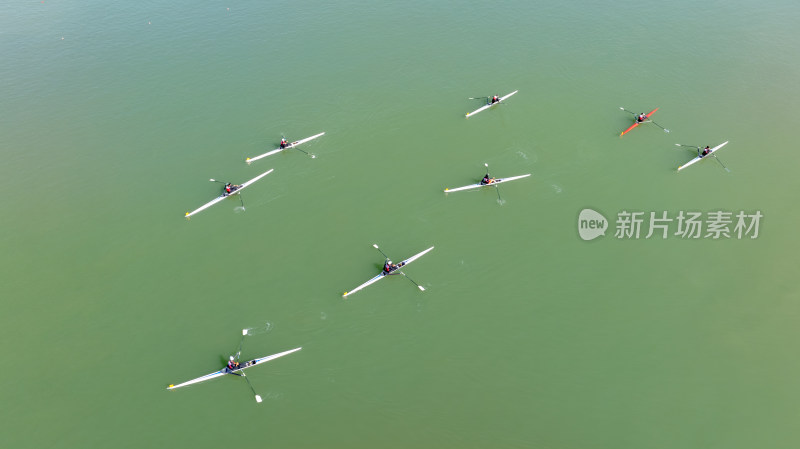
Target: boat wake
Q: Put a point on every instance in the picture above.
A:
(259, 329)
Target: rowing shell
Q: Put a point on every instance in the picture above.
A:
(698, 157)
(383, 274)
(278, 150)
(496, 181)
(483, 108)
(226, 195)
(225, 370)
(635, 124)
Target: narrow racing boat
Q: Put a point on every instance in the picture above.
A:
(702, 157)
(635, 124)
(383, 274)
(242, 366)
(226, 195)
(495, 182)
(487, 106)
(278, 150)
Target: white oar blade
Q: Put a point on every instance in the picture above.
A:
(244, 331)
(258, 398)
(375, 245)
(421, 288)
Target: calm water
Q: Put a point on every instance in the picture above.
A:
(116, 114)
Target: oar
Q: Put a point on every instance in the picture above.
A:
(496, 188)
(412, 281)
(258, 398)
(214, 180)
(720, 162)
(689, 146)
(477, 98)
(629, 112)
(239, 351)
(307, 154)
(290, 145)
(665, 129)
(375, 245)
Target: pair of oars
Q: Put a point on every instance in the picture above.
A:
(375, 245)
(239, 353)
(225, 183)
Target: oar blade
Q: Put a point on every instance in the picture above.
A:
(421, 288)
(258, 399)
(244, 331)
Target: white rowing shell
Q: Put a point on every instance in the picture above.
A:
(483, 108)
(223, 196)
(224, 371)
(365, 284)
(698, 158)
(495, 182)
(276, 151)
(382, 274)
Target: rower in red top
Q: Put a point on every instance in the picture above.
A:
(233, 365)
(641, 117)
(487, 180)
(230, 188)
(388, 267)
(706, 151)
(495, 99)
(284, 143)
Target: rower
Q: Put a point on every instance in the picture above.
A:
(284, 143)
(230, 188)
(487, 180)
(232, 364)
(641, 117)
(495, 100)
(388, 267)
(706, 151)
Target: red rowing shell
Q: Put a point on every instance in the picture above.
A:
(637, 123)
